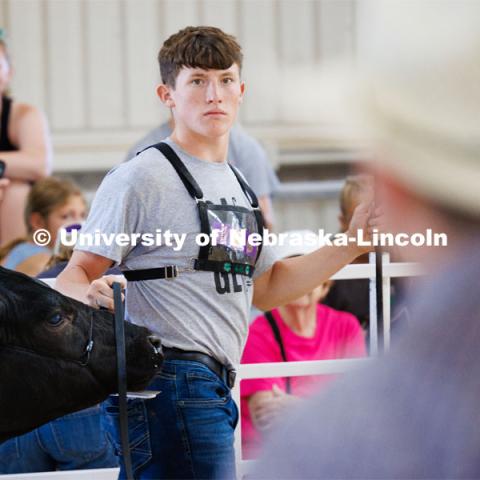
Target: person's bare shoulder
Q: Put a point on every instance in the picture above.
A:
(20, 110)
(24, 115)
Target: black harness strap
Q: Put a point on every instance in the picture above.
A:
(196, 192)
(193, 188)
(202, 262)
(168, 272)
(225, 267)
(260, 222)
(204, 250)
(122, 377)
(190, 184)
(250, 194)
(279, 340)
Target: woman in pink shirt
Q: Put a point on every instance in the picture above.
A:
(307, 330)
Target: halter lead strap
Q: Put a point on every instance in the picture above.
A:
(122, 377)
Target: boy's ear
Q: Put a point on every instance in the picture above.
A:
(164, 94)
(242, 91)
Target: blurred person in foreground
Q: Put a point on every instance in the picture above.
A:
(301, 330)
(414, 412)
(25, 147)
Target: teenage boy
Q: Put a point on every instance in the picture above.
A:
(201, 315)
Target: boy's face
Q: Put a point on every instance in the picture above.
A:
(204, 101)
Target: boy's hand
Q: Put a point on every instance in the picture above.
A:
(100, 291)
(366, 219)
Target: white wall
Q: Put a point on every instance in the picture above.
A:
(91, 64)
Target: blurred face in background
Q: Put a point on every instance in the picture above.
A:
(73, 211)
(357, 189)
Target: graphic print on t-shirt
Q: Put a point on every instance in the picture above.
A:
(227, 226)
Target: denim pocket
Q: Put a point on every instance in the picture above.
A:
(165, 376)
(204, 389)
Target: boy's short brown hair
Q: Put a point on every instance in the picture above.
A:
(198, 47)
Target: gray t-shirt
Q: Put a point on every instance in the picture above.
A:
(244, 152)
(197, 311)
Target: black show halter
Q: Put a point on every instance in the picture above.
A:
(86, 352)
(89, 347)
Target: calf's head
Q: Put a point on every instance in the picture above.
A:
(48, 364)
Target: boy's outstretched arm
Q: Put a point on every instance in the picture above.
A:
(291, 278)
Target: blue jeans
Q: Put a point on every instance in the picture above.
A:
(186, 431)
(75, 441)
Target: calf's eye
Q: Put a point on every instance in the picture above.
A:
(55, 320)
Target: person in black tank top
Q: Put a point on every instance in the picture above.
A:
(25, 149)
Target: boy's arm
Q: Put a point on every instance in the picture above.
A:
(291, 278)
(81, 279)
